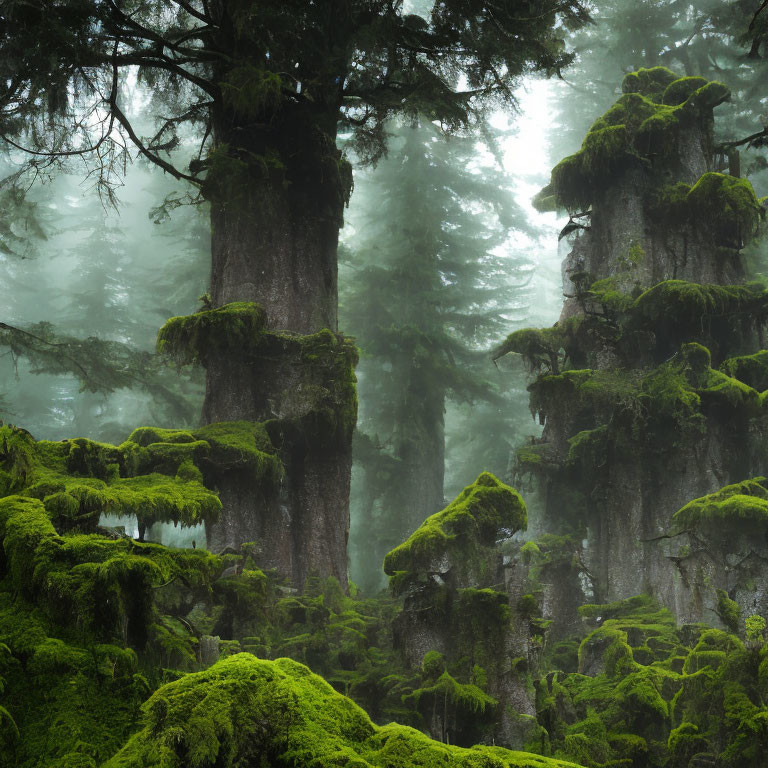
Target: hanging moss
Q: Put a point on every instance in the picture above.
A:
(91, 581)
(56, 473)
(476, 518)
(690, 305)
(465, 700)
(539, 347)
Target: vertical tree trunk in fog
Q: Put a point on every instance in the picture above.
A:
(277, 199)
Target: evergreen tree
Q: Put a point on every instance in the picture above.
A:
(429, 285)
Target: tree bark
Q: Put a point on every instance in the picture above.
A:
(277, 198)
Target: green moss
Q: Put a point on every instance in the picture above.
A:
(609, 296)
(724, 205)
(252, 92)
(745, 502)
(465, 699)
(480, 514)
(242, 445)
(688, 304)
(728, 610)
(640, 126)
(611, 644)
(539, 348)
(237, 327)
(681, 89)
(57, 474)
(244, 708)
(217, 448)
(752, 370)
(651, 82)
(530, 552)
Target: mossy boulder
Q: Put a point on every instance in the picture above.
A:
(245, 709)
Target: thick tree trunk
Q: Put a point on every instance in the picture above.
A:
(276, 208)
(283, 261)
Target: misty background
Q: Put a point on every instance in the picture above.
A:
(442, 256)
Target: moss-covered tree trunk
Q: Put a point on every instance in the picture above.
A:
(656, 276)
(277, 187)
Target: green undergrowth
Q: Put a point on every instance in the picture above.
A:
(650, 694)
(458, 536)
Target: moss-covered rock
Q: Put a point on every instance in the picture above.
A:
(741, 503)
(245, 709)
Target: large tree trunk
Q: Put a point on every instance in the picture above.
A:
(277, 199)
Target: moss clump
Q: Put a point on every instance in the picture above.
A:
(540, 348)
(750, 369)
(639, 127)
(102, 585)
(651, 83)
(728, 610)
(236, 327)
(218, 448)
(482, 513)
(312, 377)
(244, 708)
(681, 89)
(724, 205)
(690, 305)
(745, 502)
(78, 480)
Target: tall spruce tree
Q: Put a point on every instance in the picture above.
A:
(428, 286)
